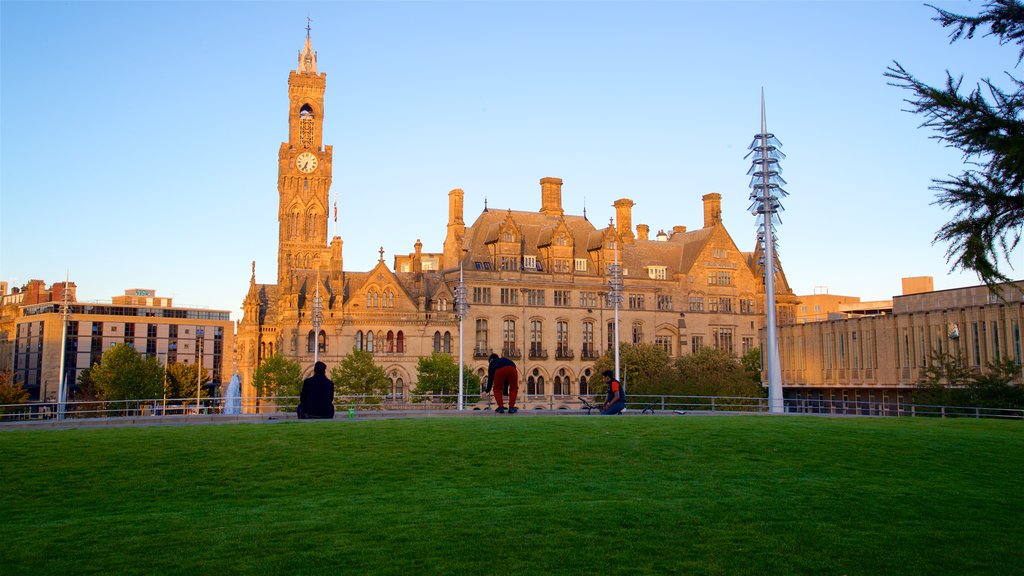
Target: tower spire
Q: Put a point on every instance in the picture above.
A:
(307, 57)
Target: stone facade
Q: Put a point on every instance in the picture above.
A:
(536, 282)
(880, 358)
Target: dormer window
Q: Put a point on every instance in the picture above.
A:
(508, 236)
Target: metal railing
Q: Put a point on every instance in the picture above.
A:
(562, 404)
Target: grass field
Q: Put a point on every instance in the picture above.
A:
(518, 495)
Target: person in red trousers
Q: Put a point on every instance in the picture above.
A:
(502, 377)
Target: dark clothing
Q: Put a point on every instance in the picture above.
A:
(611, 404)
(502, 372)
(317, 397)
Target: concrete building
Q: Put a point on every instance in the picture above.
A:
(140, 318)
(880, 358)
(536, 280)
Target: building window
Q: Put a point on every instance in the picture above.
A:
(748, 344)
(508, 339)
(638, 333)
(369, 341)
(713, 304)
(664, 302)
(535, 297)
(401, 342)
(389, 342)
(696, 303)
(562, 383)
(321, 341)
(310, 341)
(588, 299)
(719, 253)
(723, 339)
(437, 342)
(611, 335)
(720, 277)
(584, 383)
(562, 298)
(510, 263)
(588, 341)
(480, 348)
(536, 338)
(481, 295)
(562, 339)
(725, 305)
(508, 236)
(447, 342)
(696, 343)
(529, 263)
(581, 264)
(636, 301)
(359, 340)
(561, 265)
(510, 296)
(747, 306)
(535, 383)
(656, 272)
(665, 343)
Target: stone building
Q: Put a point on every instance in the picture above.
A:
(862, 361)
(151, 324)
(536, 281)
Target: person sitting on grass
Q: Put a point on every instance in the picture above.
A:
(615, 401)
(317, 397)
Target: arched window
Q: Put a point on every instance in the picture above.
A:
(584, 386)
(391, 341)
(359, 340)
(388, 301)
(401, 343)
(437, 341)
(369, 341)
(293, 224)
(447, 342)
(399, 388)
(310, 341)
(562, 381)
(611, 335)
(323, 341)
(558, 385)
(535, 383)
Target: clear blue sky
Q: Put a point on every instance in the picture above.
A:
(138, 141)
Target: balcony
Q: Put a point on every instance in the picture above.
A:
(510, 351)
(564, 353)
(481, 353)
(538, 353)
(589, 353)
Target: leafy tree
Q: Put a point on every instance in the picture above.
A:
(751, 362)
(87, 389)
(358, 375)
(438, 374)
(124, 374)
(710, 372)
(181, 381)
(644, 369)
(948, 381)
(278, 377)
(11, 392)
(987, 125)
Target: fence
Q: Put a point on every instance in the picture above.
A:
(636, 404)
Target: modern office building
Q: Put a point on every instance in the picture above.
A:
(537, 281)
(879, 358)
(34, 319)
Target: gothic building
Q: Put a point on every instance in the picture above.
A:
(536, 281)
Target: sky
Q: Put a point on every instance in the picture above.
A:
(138, 141)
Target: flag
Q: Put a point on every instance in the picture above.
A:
(335, 211)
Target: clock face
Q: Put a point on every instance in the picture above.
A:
(306, 162)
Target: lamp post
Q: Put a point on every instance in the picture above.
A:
(766, 190)
(526, 337)
(62, 386)
(615, 298)
(461, 307)
(200, 333)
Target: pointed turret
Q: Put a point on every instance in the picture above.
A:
(307, 57)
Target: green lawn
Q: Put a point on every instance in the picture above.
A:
(518, 495)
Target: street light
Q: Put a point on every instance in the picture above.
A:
(318, 318)
(615, 298)
(200, 333)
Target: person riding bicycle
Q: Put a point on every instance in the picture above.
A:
(615, 401)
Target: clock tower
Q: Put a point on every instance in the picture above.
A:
(304, 178)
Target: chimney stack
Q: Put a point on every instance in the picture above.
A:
(455, 206)
(551, 196)
(642, 231)
(624, 218)
(712, 209)
(678, 230)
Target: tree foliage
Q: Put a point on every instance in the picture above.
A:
(181, 381)
(987, 125)
(11, 391)
(710, 372)
(358, 375)
(643, 369)
(124, 374)
(438, 374)
(280, 378)
(948, 381)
